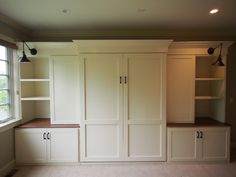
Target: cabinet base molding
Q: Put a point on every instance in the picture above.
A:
(7, 168)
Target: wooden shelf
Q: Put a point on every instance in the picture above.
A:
(45, 123)
(200, 122)
(34, 80)
(35, 98)
(209, 79)
(207, 97)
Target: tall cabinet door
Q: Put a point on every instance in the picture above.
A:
(180, 88)
(145, 121)
(101, 125)
(65, 89)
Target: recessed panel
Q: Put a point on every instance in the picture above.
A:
(102, 87)
(102, 141)
(144, 87)
(145, 141)
(183, 145)
(214, 144)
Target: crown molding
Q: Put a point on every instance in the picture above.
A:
(200, 44)
(197, 47)
(12, 29)
(176, 35)
(122, 46)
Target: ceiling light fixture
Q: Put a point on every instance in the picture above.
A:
(24, 58)
(219, 61)
(214, 11)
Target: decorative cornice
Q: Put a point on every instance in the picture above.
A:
(122, 46)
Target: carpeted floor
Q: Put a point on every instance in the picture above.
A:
(130, 170)
(148, 169)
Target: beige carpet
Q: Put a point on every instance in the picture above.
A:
(130, 170)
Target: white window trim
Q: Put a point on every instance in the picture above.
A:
(15, 99)
(9, 124)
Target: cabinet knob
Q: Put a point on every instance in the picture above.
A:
(198, 134)
(201, 134)
(120, 80)
(44, 136)
(125, 80)
(48, 136)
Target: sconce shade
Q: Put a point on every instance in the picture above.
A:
(24, 58)
(219, 61)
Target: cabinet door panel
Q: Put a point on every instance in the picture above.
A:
(102, 142)
(63, 145)
(65, 90)
(30, 146)
(180, 89)
(145, 107)
(144, 87)
(101, 127)
(215, 144)
(141, 144)
(182, 144)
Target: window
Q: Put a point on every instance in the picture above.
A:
(6, 106)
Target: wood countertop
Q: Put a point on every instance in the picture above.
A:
(200, 122)
(45, 123)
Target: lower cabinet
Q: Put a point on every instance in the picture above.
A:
(198, 144)
(41, 145)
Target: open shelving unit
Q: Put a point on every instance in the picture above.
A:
(35, 88)
(209, 89)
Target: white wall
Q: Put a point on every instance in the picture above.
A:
(6, 147)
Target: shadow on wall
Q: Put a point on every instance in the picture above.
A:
(231, 92)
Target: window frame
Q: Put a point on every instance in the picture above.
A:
(13, 100)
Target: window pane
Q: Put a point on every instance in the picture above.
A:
(4, 97)
(3, 67)
(3, 52)
(3, 82)
(4, 112)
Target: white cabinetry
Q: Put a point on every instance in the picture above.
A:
(180, 88)
(40, 145)
(144, 107)
(35, 83)
(65, 104)
(195, 88)
(124, 101)
(198, 144)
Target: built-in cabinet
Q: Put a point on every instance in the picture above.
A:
(195, 88)
(34, 90)
(65, 90)
(198, 143)
(42, 145)
(124, 117)
(180, 88)
(209, 89)
(122, 93)
(124, 102)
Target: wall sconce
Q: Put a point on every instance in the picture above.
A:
(219, 61)
(24, 58)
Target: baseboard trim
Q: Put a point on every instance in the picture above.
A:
(7, 168)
